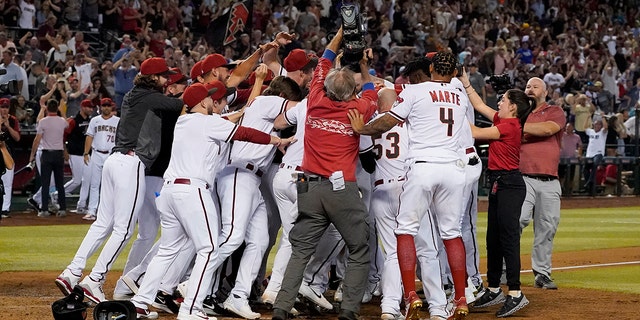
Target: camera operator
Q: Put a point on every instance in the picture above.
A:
(9, 135)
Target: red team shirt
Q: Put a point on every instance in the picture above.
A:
(504, 154)
(330, 144)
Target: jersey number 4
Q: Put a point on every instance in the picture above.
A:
(394, 148)
(447, 119)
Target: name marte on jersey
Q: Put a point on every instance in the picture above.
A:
(445, 96)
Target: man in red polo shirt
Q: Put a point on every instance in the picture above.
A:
(327, 191)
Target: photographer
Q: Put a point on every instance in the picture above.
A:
(9, 135)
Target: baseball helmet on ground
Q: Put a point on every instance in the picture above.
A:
(71, 307)
(115, 310)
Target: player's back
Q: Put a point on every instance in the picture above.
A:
(435, 115)
(260, 116)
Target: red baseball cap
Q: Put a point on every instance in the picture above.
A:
(86, 103)
(196, 71)
(157, 66)
(215, 60)
(197, 92)
(297, 59)
(178, 77)
(106, 102)
(4, 102)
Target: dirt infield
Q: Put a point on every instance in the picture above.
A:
(28, 295)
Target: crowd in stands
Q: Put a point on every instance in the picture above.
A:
(587, 52)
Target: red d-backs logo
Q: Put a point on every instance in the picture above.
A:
(237, 21)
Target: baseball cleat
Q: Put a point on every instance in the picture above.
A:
(93, 290)
(314, 296)
(143, 313)
(66, 281)
(240, 306)
(462, 309)
(269, 297)
(414, 304)
(196, 316)
(130, 283)
(165, 303)
(512, 305)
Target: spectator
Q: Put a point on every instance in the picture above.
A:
(616, 131)
(27, 14)
(571, 149)
(83, 69)
(14, 71)
(46, 29)
(22, 111)
(5, 43)
(110, 13)
(583, 111)
(130, 17)
(595, 151)
(11, 13)
(74, 97)
(96, 91)
(56, 56)
(36, 81)
(124, 73)
(77, 44)
(604, 98)
(477, 81)
(72, 13)
(33, 46)
(553, 79)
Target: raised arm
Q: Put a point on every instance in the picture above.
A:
(380, 125)
(475, 99)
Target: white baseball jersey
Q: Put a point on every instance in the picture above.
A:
(189, 144)
(103, 132)
(260, 116)
(391, 149)
(293, 116)
(435, 115)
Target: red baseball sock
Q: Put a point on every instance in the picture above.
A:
(457, 263)
(407, 262)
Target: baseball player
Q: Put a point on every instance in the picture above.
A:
(101, 138)
(75, 143)
(185, 202)
(434, 122)
(123, 185)
(243, 209)
(10, 126)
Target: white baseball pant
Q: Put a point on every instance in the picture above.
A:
(96, 166)
(7, 181)
(243, 219)
(428, 243)
(85, 186)
(77, 168)
(122, 194)
(188, 215)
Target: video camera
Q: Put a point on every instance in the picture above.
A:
(353, 34)
(9, 88)
(500, 83)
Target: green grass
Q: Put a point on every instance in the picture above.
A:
(618, 279)
(584, 229)
(40, 248)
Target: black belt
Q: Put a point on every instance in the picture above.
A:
(542, 177)
(101, 151)
(51, 150)
(187, 181)
(290, 167)
(251, 167)
(316, 178)
(382, 181)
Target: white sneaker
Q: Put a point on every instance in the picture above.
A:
(315, 296)
(337, 296)
(239, 306)
(144, 313)
(391, 316)
(93, 290)
(130, 283)
(470, 291)
(196, 316)
(66, 281)
(269, 297)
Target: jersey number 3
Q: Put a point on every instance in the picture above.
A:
(447, 119)
(394, 148)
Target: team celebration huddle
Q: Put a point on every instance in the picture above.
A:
(330, 167)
